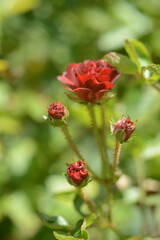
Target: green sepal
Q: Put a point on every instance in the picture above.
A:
(120, 135)
(74, 98)
(58, 122)
(104, 99)
(83, 184)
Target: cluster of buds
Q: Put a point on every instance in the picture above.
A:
(124, 129)
(58, 114)
(77, 174)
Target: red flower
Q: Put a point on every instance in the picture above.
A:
(76, 173)
(89, 80)
(123, 129)
(57, 111)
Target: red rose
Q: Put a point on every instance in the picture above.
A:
(123, 129)
(76, 173)
(90, 80)
(57, 111)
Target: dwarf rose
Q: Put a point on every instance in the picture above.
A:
(123, 129)
(77, 174)
(89, 80)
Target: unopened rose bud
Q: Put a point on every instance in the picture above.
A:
(58, 114)
(123, 129)
(77, 175)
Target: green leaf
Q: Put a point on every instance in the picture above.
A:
(90, 219)
(151, 73)
(84, 234)
(138, 53)
(79, 231)
(77, 228)
(3, 65)
(14, 7)
(78, 201)
(65, 195)
(65, 237)
(56, 222)
(122, 63)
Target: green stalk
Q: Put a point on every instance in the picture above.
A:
(88, 202)
(68, 137)
(116, 156)
(103, 134)
(98, 138)
(74, 148)
(110, 202)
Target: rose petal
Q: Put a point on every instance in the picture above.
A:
(114, 76)
(82, 93)
(106, 71)
(109, 85)
(100, 94)
(65, 80)
(103, 78)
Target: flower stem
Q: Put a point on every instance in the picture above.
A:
(89, 202)
(68, 137)
(97, 137)
(110, 202)
(116, 155)
(103, 134)
(74, 148)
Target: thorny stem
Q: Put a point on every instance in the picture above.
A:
(116, 155)
(103, 156)
(104, 145)
(97, 137)
(110, 202)
(74, 148)
(65, 131)
(88, 201)
(103, 134)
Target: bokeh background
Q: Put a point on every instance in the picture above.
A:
(38, 39)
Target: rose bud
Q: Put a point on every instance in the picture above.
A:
(89, 80)
(58, 114)
(77, 175)
(123, 129)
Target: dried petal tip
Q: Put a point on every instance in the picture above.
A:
(77, 175)
(123, 129)
(57, 113)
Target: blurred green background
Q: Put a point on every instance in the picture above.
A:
(38, 39)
